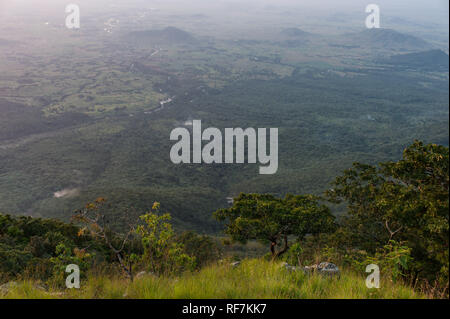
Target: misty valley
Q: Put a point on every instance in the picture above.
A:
(92, 110)
(234, 142)
(275, 130)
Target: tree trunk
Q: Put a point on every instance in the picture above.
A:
(272, 249)
(276, 254)
(127, 270)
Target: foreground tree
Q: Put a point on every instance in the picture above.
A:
(406, 201)
(273, 220)
(95, 223)
(203, 247)
(158, 251)
(163, 254)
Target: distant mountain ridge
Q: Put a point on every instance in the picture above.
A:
(294, 37)
(387, 38)
(6, 42)
(295, 32)
(431, 60)
(169, 35)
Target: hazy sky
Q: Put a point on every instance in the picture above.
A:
(417, 7)
(435, 11)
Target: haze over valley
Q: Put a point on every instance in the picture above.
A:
(87, 113)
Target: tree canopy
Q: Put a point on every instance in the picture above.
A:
(405, 200)
(270, 219)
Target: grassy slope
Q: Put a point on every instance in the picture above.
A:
(254, 278)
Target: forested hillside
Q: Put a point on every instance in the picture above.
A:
(397, 217)
(88, 113)
(132, 145)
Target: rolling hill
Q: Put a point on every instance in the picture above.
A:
(431, 60)
(166, 36)
(293, 37)
(386, 39)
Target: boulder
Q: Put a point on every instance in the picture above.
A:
(290, 267)
(39, 287)
(143, 274)
(5, 288)
(328, 269)
(324, 268)
(310, 269)
(140, 274)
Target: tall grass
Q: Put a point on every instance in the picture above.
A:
(254, 278)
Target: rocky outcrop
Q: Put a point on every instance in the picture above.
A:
(328, 269)
(6, 288)
(143, 274)
(324, 268)
(291, 268)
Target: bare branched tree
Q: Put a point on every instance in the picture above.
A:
(392, 233)
(95, 222)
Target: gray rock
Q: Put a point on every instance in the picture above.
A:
(143, 274)
(310, 269)
(5, 288)
(140, 274)
(328, 269)
(324, 268)
(39, 287)
(290, 267)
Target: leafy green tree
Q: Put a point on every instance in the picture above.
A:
(95, 223)
(405, 200)
(393, 259)
(65, 256)
(202, 247)
(27, 244)
(162, 253)
(273, 220)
